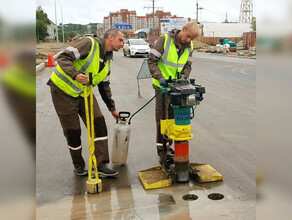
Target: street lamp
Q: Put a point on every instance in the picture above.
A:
(56, 22)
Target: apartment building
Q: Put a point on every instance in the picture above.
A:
(157, 16)
(137, 22)
(141, 22)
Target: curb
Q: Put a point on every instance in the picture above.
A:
(226, 55)
(42, 65)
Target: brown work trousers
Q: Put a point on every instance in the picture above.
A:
(68, 108)
(169, 114)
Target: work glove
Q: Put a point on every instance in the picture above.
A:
(163, 82)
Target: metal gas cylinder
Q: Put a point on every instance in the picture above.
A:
(121, 139)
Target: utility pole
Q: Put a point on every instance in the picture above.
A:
(62, 24)
(153, 13)
(153, 6)
(56, 23)
(226, 19)
(197, 11)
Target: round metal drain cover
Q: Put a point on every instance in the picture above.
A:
(190, 197)
(215, 196)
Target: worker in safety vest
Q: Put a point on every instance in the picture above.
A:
(85, 55)
(170, 56)
(19, 87)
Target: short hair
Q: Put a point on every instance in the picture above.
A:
(111, 31)
(193, 25)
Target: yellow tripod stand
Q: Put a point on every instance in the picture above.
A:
(92, 185)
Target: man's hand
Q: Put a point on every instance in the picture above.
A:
(163, 82)
(115, 114)
(81, 78)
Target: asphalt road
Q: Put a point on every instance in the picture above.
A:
(224, 137)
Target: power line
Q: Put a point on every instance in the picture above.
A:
(153, 6)
(197, 11)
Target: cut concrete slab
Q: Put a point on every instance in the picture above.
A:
(205, 173)
(154, 178)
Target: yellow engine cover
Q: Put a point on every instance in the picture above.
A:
(175, 132)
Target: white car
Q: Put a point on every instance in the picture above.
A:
(134, 47)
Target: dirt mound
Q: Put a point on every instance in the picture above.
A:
(240, 43)
(46, 48)
(200, 45)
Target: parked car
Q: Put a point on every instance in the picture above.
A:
(134, 47)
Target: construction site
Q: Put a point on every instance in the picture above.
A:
(206, 166)
(223, 130)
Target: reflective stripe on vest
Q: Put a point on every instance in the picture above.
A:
(167, 67)
(89, 61)
(69, 83)
(87, 65)
(75, 51)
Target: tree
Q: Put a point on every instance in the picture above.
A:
(42, 22)
(253, 26)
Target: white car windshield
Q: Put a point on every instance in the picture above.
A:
(138, 42)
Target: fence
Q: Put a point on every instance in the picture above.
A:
(216, 40)
(249, 39)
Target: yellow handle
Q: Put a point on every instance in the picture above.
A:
(90, 131)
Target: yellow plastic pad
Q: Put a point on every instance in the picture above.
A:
(154, 177)
(94, 186)
(205, 173)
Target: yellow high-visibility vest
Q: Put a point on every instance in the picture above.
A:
(170, 64)
(21, 81)
(88, 65)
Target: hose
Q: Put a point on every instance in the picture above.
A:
(143, 106)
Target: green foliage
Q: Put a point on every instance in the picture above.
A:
(41, 15)
(78, 29)
(72, 30)
(71, 34)
(41, 30)
(42, 23)
(253, 26)
(67, 35)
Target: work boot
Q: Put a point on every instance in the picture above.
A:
(80, 171)
(103, 170)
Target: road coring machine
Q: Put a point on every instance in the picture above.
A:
(184, 95)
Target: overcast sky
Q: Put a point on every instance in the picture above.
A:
(86, 11)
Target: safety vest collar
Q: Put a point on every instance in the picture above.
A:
(166, 54)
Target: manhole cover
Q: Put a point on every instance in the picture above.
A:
(215, 196)
(190, 197)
